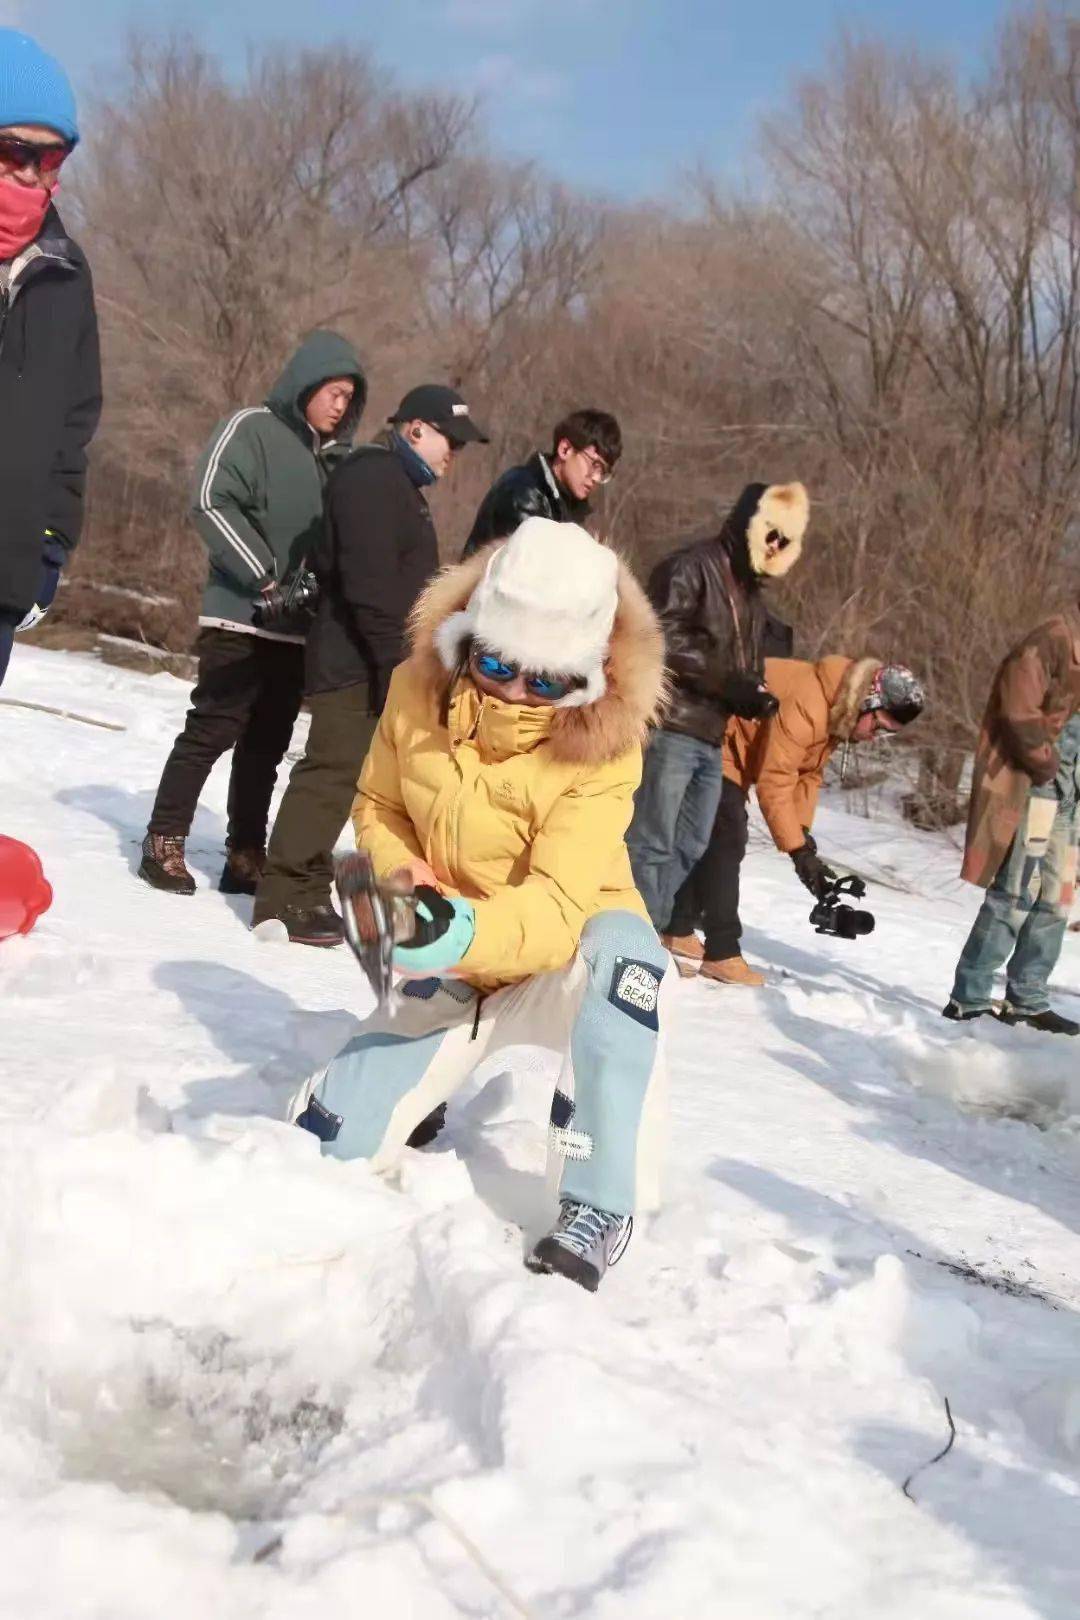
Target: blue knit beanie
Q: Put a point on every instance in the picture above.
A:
(34, 89)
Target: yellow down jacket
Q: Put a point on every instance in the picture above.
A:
(521, 810)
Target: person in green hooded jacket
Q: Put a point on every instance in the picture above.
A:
(258, 508)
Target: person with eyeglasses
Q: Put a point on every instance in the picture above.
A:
(1022, 830)
(375, 552)
(50, 370)
(585, 451)
(709, 594)
(500, 783)
(824, 706)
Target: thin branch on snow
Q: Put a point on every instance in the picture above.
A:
(944, 1452)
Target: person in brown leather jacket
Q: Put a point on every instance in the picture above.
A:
(709, 597)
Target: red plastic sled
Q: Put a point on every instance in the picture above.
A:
(24, 890)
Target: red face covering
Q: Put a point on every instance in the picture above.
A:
(22, 214)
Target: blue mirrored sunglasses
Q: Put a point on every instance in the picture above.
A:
(552, 687)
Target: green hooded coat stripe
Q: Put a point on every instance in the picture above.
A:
(256, 561)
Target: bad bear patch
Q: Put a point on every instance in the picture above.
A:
(635, 989)
(564, 1139)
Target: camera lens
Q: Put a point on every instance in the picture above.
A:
(850, 924)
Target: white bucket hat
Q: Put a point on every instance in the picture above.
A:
(546, 602)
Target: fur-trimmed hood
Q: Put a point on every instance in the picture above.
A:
(853, 691)
(759, 510)
(595, 732)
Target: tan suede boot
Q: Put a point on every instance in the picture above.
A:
(687, 950)
(732, 970)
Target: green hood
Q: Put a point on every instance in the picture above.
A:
(320, 356)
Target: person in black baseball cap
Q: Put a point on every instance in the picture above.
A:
(432, 412)
(375, 553)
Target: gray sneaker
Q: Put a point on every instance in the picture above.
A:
(582, 1244)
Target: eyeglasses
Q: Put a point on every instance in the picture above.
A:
(597, 466)
(778, 541)
(44, 156)
(551, 687)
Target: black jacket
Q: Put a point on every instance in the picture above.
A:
(376, 552)
(50, 401)
(710, 604)
(519, 493)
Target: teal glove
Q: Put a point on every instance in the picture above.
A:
(444, 932)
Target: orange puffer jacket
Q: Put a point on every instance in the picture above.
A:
(785, 758)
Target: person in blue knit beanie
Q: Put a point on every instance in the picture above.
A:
(50, 371)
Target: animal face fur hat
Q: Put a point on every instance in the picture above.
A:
(546, 601)
(782, 510)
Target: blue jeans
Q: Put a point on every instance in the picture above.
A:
(1023, 919)
(673, 816)
(601, 1012)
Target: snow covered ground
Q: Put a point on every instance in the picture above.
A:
(239, 1381)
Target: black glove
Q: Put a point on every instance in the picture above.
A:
(748, 698)
(434, 915)
(443, 932)
(812, 871)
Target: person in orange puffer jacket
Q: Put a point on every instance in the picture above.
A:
(836, 700)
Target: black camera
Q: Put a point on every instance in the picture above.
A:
(830, 916)
(290, 608)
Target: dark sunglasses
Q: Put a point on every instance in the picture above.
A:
(902, 713)
(44, 156)
(780, 541)
(552, 687)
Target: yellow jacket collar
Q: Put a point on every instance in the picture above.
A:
(500, 730)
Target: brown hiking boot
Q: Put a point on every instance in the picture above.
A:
(162, 864)
(308, 925)
(688, 951)
(242, 870)
(732, 970)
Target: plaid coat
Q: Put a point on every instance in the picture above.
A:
(1035, 691)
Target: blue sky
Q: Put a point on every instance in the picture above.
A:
(620, 95)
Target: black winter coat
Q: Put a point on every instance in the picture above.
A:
(712, 611)
(50, 401)
(520, 493)
(376, 553)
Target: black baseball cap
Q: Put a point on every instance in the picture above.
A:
(444, 409)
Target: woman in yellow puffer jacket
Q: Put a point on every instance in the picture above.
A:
(502, 775)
